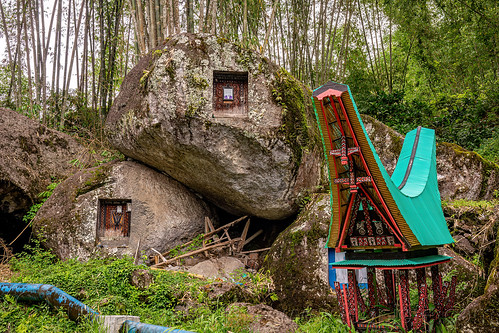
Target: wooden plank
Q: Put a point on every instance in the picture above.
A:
(159, 254)
(255, 235)
(243, 235)
(209, 223)
(255, 251)
(169, 261)
(212, 232)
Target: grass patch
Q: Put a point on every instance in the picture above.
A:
(173, 299)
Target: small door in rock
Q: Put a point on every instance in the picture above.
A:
(230, 94)
(114, 219)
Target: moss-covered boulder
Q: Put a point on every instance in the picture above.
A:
(119, 208)
(251, 153)
(462, 174)
(473, 225)
(482, 315)
(32, 157)
(298, 260)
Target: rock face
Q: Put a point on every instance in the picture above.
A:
(252, 154)
(472, 225)
(482, 315)
(32, 157)
(298, 260)
(470, 277)
(81, 217)
(264, 319)
(462, 174)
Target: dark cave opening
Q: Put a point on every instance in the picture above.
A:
(11, 227)
(270, 229)
(14, 203)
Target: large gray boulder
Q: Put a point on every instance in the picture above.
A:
(298, 260)
(163, 213)
(462, 174)
(254, 155)
(33, 156)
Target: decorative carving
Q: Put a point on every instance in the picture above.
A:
(339, 297)
(389, 288)
(225, 104)
(371, 290)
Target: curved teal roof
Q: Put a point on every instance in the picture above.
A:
(411, 193)
(419, 200)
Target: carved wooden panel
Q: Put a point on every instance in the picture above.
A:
(230, 94)
(114, 220)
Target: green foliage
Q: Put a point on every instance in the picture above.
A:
(489, 149)
(181, 249)
(104, 285)
(322, 323)
(482, 204)
(39, 317)
(452, 116)
(30, 215)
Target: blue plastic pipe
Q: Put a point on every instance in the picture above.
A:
(51, 294)
(75, 309)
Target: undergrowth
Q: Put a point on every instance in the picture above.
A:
(173, 299)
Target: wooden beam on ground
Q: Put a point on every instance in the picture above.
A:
(256, 251)
(169, 261)
(212, 232)
(255, 235)
(159, 254)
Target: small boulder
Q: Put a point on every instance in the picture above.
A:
(141, 278)
(119, 208)
(217, 267)
(262, 318)
(251, 151)
(227, 292)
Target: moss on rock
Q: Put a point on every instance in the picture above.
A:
(297, 261)
(482, 315)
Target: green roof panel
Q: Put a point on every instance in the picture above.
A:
(419, 200)
(411, 262)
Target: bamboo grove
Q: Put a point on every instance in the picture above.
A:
(64, 60)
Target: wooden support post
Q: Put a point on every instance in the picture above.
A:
(341, 302)
(402, 314)
(389, 288)
(347, 310)
(372, 291)
(352, 294)
(243, 236)
(436, 286)
(404, 296)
